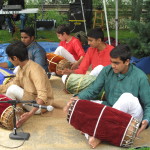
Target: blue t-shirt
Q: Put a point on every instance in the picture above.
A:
(37, 54)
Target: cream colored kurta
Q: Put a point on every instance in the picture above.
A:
(33, 79)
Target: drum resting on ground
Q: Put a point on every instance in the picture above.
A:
(57, 62)
(103, 122)
(6, 113)
(75, 83)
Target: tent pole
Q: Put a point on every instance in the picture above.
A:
(105, 12)
(83, 17)
(116, 20)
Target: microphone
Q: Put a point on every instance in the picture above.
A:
(48, 108)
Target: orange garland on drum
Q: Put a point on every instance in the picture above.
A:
(103, 122)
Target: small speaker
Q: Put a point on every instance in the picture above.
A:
(47, 24)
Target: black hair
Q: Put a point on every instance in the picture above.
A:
(29, 31)
(96, 33)
(17, 49)
(63, 28)
(121, 51)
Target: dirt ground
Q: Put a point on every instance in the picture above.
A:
(51, 131)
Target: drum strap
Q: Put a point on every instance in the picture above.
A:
(5, 73)
(126, 130)
(50, 61)
(72, 111)
(98, 120)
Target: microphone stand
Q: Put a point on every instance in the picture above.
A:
(17, 135)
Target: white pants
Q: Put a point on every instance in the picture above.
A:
(128, 104)
(94, 72)
(63, 52)
(16, 93)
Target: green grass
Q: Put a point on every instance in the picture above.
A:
(6, 37)
(50, 35)
(140, 149)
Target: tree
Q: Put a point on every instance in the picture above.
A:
(140, 45)
(136, 9)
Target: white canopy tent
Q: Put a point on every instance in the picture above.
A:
(116, 21)
(107, 26)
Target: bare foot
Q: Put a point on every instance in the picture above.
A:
(93, 142)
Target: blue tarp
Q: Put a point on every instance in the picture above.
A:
(142, 63)
(48, 46)
(3, 73)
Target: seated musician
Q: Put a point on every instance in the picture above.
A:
(31, 81)
(35, 51)
(126, 89)
(97, 55)
(69, 47)
(16, 17)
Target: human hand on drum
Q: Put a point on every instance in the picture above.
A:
(59, 72)
(74, 65)
(65, 71)
(66, 108)
(144, 124)
(23, 118)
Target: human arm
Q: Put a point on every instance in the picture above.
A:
(83, 67)
(85, 63)
(24, 117)
(144, 125)
(77, 49)
(144, 94)
(77, 63)
(93, 90)
(38, 55)
(38, 89)
(65, 71)
(66, 108)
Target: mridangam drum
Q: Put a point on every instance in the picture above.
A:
(103, 122)
(77, 82)
(6, 113)
(57, 62)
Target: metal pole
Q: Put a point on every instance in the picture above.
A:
(105, 12)
(116, 20)
(83, 17)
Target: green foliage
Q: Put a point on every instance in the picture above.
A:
(144, 148)
(48, 15)
(146, 16)
(141, 44)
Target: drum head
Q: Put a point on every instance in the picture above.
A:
(8, 115)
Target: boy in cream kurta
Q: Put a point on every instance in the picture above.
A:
(30, 83)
